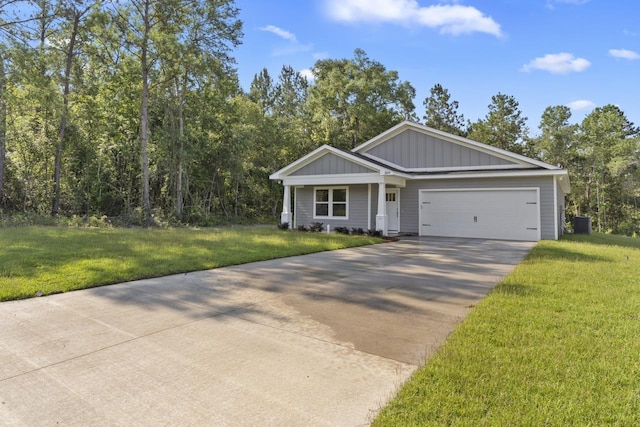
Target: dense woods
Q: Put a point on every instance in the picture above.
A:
(133, 110)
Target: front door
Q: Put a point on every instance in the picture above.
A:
(393, 210)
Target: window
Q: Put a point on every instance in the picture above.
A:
(331, 202)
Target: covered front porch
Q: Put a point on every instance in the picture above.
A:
(340, 189)
(351, 203)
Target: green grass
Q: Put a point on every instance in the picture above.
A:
(557, 343)
(55, 259)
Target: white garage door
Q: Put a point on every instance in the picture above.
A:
(508, 214)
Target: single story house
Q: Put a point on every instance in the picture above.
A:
(416, 180)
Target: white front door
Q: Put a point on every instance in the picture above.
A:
(393, 210)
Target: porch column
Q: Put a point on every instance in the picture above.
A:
(381, 216)
(285, 216)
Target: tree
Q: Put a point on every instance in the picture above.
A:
(3, 121)
(74, 14)
(12, 16)
(262, 91)
(503, 127)
(441, 113)
(607, 151)
(33, 119)
(556, 144)
(198, 57)
(164, 31)
(273, 122)
(353, 100)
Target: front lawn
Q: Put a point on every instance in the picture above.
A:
(46, 260)
(557, 343)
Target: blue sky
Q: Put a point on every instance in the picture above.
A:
(580, 53)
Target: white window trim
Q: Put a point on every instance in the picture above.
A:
(331, 188)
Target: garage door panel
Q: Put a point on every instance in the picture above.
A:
(495, 214)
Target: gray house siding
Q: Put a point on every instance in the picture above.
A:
(412, 149)
(330, 164)
(357, 213)
(409, 204)
(561, 210)
(374, 205)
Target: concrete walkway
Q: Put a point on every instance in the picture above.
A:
(323, 339)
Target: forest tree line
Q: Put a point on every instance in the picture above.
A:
(133, 109)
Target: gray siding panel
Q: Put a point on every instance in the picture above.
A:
(561, 210)
(330, 164)
(358, 202)
(409, 203)
(302, 206)
(411, 149)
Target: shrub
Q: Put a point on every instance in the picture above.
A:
(302, 228)
(283, 225)
(374, 233)
(315, 226)
(342, 230)
(357, 231)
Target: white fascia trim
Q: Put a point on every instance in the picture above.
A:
(337, 179)
(466, 168)
(344, 179)
(495, 174)
(507, 155)
(395, 180)
(465, 189)
(319, 152)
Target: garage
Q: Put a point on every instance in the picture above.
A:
(504, 214)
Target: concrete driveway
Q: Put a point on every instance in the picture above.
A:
(323, 339)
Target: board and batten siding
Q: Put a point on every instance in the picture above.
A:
(411, 149)
(330, 164)
(357, 214)
(410, 209)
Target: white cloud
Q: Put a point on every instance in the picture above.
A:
(624, 54)
(449, 18)
(279, 32)
(292, 49)
(581, 104)
(557, 63)
(307, 74)
(552, 3)
(320, 55)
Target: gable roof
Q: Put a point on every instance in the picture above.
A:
(329, 165)
(496, 158)
(361, 164)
